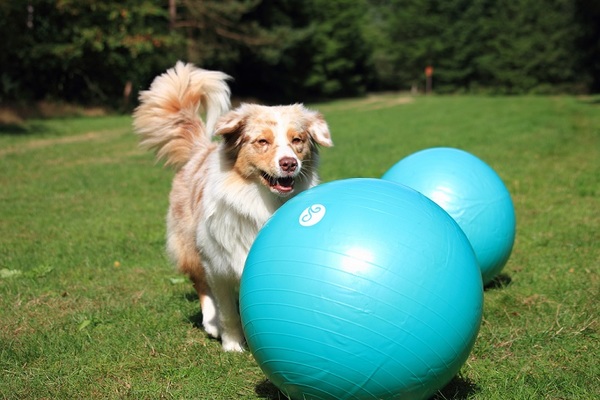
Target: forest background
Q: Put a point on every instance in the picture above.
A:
(103, 52)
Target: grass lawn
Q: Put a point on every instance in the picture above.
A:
(91, 308)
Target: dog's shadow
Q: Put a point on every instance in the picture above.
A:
(266, 390)
(459, 388)
(499, 282)
(194, 319)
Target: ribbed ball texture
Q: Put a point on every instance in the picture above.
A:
(472, 193)
(361, 289)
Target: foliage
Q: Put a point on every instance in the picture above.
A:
(587, 13)
(93, 51)
(504, 46)
(90, 307)
(217, 31)
(83, 51)
(318, 51)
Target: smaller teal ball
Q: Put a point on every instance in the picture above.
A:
(472, 193)
(360, 289)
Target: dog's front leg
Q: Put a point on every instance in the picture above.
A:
(232, 336)
(210, 319)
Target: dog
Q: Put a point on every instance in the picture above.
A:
(232, 173)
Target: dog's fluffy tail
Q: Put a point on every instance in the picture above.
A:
(168, 119)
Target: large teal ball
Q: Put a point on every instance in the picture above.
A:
(472, 193)
(361, 289)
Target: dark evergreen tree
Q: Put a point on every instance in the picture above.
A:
(84, 50)
(319, 51)
(587, 15)
(500, 46)
(90, 51)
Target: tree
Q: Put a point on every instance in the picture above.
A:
(502, 46)
(89, 51)
(528, 46)
(218, 30)
(85, 50)
(319, 50)
(587, 15)
(409, 38)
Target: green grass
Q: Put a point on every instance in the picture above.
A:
(91, 308)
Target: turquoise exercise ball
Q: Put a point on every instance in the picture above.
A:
(360, 289)
(472, 193)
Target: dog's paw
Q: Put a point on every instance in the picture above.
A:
(211, 328)
(233, 341)
(232, 345)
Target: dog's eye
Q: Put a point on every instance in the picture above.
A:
(296, 140)
(262, 142)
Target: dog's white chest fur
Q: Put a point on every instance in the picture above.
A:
(232, 216)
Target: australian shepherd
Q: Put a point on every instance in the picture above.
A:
(224, 190)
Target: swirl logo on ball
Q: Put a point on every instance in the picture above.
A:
(312, 215)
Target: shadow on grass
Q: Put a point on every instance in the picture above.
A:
(499, 282)
(592, 100)
(196, 320)
(266, 390)
(20, 129)
(13, 129)
(191, 296)
(459, 388)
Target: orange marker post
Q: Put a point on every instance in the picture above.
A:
(428, 78)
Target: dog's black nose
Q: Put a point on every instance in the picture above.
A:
(288, 164)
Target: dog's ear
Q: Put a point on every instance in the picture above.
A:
(318, 129)
(231, 127)
(230, 123)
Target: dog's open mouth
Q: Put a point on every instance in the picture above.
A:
(282, 185)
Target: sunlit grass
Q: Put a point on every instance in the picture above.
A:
(91, 308)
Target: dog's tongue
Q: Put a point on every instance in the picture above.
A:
(283, 185)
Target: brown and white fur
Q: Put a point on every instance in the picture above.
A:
(225, 190)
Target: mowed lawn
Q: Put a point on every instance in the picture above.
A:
(91, 308)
